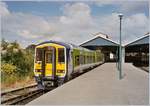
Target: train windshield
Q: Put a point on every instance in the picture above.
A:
(38, 54)
(61, 55)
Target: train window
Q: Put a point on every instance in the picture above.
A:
(90, 59)
(61, 55)
(38, 55)
(87, 59)
(84, 59)
(77, 60)
(80, 59)
(49, 57)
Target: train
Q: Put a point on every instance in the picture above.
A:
(56, 62)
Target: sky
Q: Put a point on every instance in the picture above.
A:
(32, 22)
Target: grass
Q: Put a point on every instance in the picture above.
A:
(15, 81)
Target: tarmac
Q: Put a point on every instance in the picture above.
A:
(101, 86)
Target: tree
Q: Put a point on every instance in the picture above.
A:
(31, 47)
(21, 58)
(4, 44)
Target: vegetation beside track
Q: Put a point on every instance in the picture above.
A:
(16, 64)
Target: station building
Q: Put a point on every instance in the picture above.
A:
(137, 51)
(101, 42)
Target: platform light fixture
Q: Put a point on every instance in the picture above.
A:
(120, 48)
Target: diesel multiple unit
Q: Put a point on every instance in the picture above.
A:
(56, 62)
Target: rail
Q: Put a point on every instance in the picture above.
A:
(13, 96)
(18, 89)
(22, 96)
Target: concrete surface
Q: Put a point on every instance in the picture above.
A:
(101, 86)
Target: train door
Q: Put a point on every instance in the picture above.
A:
(50, 62)
(61, 62)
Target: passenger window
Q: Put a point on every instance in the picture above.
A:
(77, 60)
(81, 59)
(49, 57)
(61, 55)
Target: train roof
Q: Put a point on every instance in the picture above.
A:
(66, 44)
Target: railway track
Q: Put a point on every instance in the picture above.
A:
(18, 89)
(20, 96)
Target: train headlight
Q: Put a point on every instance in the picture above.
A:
(60, 71)
(38, 70)
(38, 62)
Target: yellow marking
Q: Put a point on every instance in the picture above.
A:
(50, 44)
(60, 67)
(38, 73)
(37, 66)
(48, 69)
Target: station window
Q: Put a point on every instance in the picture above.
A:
(61, 55)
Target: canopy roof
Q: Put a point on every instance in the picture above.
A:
(140, 41)
(99, 41)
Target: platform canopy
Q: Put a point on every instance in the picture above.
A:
(138, 51)
(141, 41)
(99, 40)
(139, 45)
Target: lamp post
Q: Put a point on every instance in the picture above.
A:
(120, 50)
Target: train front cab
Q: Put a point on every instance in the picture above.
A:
(50, 65)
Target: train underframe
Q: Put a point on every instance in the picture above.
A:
(48, 82)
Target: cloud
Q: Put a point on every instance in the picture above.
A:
(126, 7)
(133, 6)
(75, 25)
(25, 25)
(26, 34)
(102, 3)
(77, 15)
(3, 9)
(135, 26)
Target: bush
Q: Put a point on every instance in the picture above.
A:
(8, 73)
(8, 68)
(17, 63)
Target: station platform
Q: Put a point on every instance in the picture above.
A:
(101, 86)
